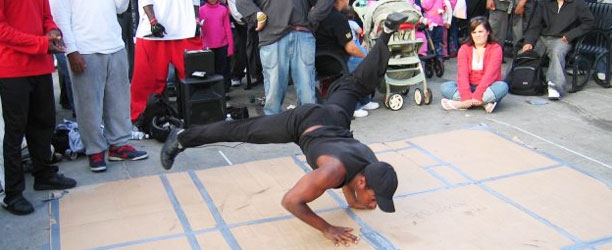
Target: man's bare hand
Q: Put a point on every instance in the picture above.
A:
(341, 236)
(490, 5)
(564, 39)
(519, 10)
(77, 63)
(527, 47)
(56, 43)
(261, 21)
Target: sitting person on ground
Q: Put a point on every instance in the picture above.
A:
(335, 35)
(555, 25)
(479, 63)
(318, 129)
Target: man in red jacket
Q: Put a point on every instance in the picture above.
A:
(28, 38)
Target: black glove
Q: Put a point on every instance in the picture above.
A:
(158, 30)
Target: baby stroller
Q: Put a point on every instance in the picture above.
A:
(404, 67)
(433, 62)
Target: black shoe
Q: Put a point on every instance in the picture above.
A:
(170, 149)
(18, 206)
(55, 182)
(393, 21)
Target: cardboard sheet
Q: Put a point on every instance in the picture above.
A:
(495, 194)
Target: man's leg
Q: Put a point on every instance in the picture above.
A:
(302, 60)
(117, 127)
(150, 72)
(278, 128)
(556, 51)
(275, 62)
(346, 91)
(499, 25)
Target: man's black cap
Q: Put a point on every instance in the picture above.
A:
(381, 177)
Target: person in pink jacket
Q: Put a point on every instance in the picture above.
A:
(479, 76)
(214, 19)
(434, 13)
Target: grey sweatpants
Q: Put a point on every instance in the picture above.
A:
(102, 97)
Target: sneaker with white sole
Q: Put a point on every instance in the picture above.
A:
(360, 113)
(601, 76)
(236, 82)
(553, 94)
(371, 106)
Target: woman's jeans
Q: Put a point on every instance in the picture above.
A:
(494, 93)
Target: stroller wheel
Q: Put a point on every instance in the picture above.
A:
(429, 71)
(394, 102)
(418, 96)
(439, 67)
(428, 97)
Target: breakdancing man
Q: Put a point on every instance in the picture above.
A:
(322, 132)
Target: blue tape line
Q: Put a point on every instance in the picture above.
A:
(375, 239)
(55, 227)
(138, 242)
(590, 244)
(180, 213)
(223, 228)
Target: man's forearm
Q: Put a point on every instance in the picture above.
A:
(303, 212)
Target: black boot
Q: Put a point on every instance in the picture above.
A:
(393, 22)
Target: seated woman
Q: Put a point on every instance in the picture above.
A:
(478, 72)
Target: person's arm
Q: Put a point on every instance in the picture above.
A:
(311, 186)
(586, 22)
(121, 5)
(493, 63)
(352, 49)
(228, 34)
(463, 72)
(24, 42)
(319, 11)
(62, 12)
(535, 26)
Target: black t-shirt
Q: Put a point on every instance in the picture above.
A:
(337, 142)
(333, 34)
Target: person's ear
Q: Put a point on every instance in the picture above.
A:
(361, 181)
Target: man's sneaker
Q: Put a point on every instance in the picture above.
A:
(236, 82)
(553, 94)
(601, 76)
(18, 206)
(171, 148)
(97, 162)
(55, 182)
(393, 22)
(371, 106)
(125, 153)
(360, 113)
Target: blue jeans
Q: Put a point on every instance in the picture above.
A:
(295, 54)
(494, 93)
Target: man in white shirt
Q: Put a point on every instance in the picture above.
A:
(166, 29)
(99, 72)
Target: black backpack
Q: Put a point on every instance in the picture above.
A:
(526, 76)
(157, 106)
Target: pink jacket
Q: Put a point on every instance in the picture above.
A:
(490, 73)
(432, 13)
(216, 29)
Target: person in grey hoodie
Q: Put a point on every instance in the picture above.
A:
(555, 25)
(286, 45)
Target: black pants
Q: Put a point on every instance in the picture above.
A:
(288, 126)
(245, 45)
(28, 108)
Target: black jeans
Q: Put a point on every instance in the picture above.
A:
(28, 108)
(288, 126)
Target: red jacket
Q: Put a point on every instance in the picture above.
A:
(23, 40)
(490, 73)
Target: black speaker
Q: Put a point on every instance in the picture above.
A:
(202, 100)
(199, 60)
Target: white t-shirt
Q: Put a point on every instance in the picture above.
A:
(89, 26)
(177, 16)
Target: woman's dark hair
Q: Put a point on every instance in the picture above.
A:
(477, 21)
